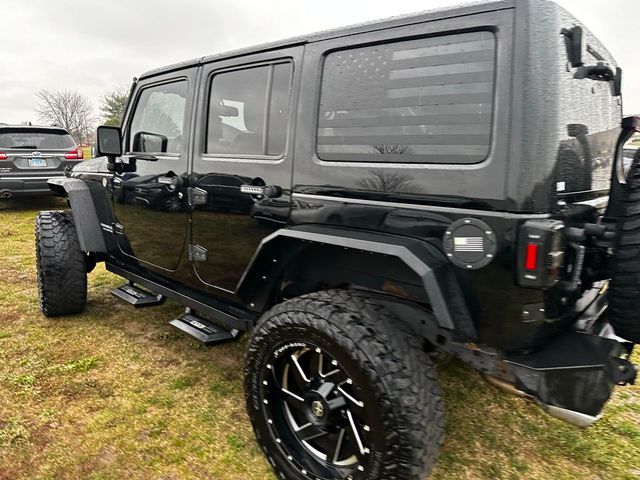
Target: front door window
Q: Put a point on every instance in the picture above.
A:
(151, 202)
(158, 122)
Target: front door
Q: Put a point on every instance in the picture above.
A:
(151, 203)
(242, 164)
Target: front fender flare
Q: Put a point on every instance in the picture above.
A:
(84, 212)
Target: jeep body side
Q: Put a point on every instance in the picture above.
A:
(450, 171)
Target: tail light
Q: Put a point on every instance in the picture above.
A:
(3, 156)
(76, 154)
(531, 257)
(540, 253)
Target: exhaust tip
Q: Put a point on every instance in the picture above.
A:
(6, 194)
(578, 419)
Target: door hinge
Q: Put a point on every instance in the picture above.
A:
(197, 253)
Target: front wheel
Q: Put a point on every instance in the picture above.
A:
(338, 388)
(60, 264)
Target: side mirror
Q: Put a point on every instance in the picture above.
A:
(109, 142)
(150, 142)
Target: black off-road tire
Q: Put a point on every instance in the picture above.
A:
(61, 266)
(383, 357)
(624, 288)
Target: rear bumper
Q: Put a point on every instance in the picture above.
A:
(25, 186)
(573, 377)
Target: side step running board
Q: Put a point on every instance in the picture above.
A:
(136, 296)
(232, 317)
(203, 330)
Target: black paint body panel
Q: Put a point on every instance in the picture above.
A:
(551, 138)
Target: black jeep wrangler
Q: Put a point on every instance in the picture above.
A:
(363, 201)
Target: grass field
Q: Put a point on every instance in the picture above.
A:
(116, 393)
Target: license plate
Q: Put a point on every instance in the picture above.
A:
(37, 162)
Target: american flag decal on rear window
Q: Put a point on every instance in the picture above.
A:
(468, 244)
(427, 100)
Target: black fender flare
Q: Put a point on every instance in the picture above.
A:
(84, 212)
(425, 259)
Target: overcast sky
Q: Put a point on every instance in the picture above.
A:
(93, 45)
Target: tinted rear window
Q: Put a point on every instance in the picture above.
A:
(35, 139)
(249, 111)
(427, 100)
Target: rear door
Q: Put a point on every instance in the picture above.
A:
(242, 160)
(150, 204)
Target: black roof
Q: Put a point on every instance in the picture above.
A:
(437, 14)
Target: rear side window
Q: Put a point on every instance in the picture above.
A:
(36, 139)
(158, 121)
(249, 111)
(417, 101)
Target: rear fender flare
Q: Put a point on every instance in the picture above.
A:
(423, 258)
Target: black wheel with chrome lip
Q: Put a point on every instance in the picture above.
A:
(338, 388)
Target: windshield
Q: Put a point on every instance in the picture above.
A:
(36, 139)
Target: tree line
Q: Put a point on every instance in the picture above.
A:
(74, 111)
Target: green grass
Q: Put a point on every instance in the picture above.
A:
(115, 393)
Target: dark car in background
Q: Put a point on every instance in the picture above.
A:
(31, 155)
(224, 192)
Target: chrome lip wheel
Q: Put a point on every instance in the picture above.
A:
(315, 413)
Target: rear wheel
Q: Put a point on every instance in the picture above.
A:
(61, 265)
(339, 388)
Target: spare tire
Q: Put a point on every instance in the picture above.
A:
(624, 288)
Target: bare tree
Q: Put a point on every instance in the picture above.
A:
(70, 110)
(386, 149)
(381, 181)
